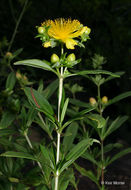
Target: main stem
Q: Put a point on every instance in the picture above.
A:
(58, 133)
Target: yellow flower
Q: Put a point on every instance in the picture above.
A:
(65, 30)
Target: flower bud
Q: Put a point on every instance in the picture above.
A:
(71, 57)
(8, 54)
(54, 58)
(18, 75)
(41, 30)
(47, 44)
(104, 99)
(85, 30)
(92, 101)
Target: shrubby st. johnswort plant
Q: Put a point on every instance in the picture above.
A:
(56, 155)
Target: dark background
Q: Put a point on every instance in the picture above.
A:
(109, 21)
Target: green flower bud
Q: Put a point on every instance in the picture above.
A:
(41, 30)
(54, 58)
(71, 57)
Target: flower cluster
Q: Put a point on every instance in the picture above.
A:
(66, 31)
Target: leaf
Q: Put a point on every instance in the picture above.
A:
(50, 89)
(16, 53)
(87, 155)
(99, 119)
(115, 125)
(65, 179)
(87, 173)
(120, 154)
(6, 132)
(111, 77)
(118, 98)
(68, 140)
(38, 100)
(41, 64)
(96, 72)
(80, 103)
(10, 82)
(64, 110)
(76, 152)
(18, 155)
(46, 162)
(7, 119)
(78, 116)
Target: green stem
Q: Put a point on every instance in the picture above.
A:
(102, 147)
(30, 145)
(102, 159)
(58, 133)
(99, 100)
(17, 25)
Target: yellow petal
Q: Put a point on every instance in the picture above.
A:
(70, 43)
(47, 44)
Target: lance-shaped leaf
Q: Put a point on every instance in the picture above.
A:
(75, 153)
(38, 101)
(78, 116)
(99, 119)
(10, 82)
(80, 103)
(7, 119)
(87, 173)
(118, 98)
(119, 155)
(69, 137)
(18, 155)
(50, 89)
(96, 72)
(115, 125)
(64, 110)
(41, 64)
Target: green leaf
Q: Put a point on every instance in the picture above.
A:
(118, 98)
(80, 103)
(7, 119)
(87, 155)
(50, 89)
(87, 173)
(78, 116)
(16, 53)
(119, 155)
(41, 64)
(64, 110)
(6, 132)
(38, 100)
(76, 152)
(111, 77)
(10, 82)
(68, 139)
(115, 125)
(96, 72)
(65, 178)
(99, 119)
(18, 155)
